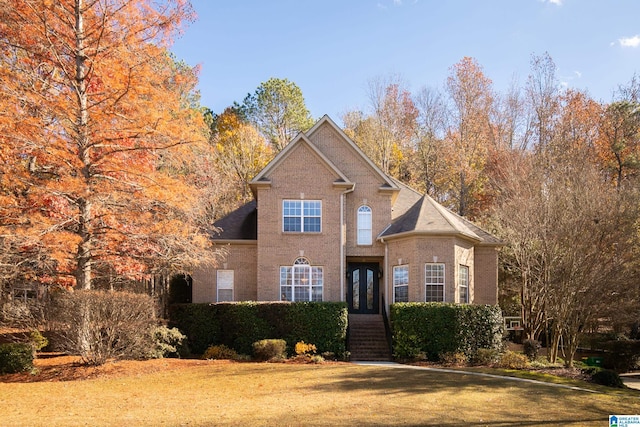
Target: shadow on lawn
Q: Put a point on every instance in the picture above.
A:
(531, 405)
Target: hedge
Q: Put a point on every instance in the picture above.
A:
(433, 329)
(15, 357)
(238, 325)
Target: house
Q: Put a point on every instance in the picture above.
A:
(326, 224)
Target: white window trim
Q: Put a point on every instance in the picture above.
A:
(395, 267)
(302, 216)
(444, 280)
(302, 265)
(462, 267)
(223, 283)
(364, 211)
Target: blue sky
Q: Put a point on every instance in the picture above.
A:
(331, 49)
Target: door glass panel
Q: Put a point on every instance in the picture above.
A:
(355, 286)
(369, 289)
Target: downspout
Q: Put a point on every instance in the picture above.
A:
(343, 238)
(385, 276)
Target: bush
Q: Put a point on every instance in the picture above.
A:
(621, 355)
(607, 377)
(167, 342)
(453, 359)
(270, 349)
(432, 329)
(199, 322)
(221, 351)
(37, 340)
(303, 348)
(531, 348)
(512, 360)
(239, 325)
(485, 357)
(15, 357)
(100, 325)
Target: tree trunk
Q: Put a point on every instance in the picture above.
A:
(84, 256)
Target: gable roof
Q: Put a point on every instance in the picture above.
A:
(389, 183)
(301, 139)
(428, 217)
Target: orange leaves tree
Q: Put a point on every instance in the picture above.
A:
(99, 124)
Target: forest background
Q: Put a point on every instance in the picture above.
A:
(112, 173)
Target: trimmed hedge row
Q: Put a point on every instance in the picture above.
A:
(434, 329)
(239, 325)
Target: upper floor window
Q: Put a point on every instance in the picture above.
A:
(365, 230)
(401, 283)
(301, 281)
(463, 284)
(434, 282)
(302, 216)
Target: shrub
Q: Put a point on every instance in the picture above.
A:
(270, 349)
(100, 325)
(531, 348)
(239, 325)
(199, 322)
(220, 352)
(303, 348)
(485, 357)
(15, 357)
(167, 342)
(37, 340)
(512, 360)
(607, 377)
(621, 355)
(436, 328)
(453, 359)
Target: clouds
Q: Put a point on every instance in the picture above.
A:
(556, 2)
(630, 41)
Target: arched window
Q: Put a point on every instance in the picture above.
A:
(301, 281)
(365, 230)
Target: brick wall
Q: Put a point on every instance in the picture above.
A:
(241, 258)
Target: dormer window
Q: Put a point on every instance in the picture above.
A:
(301, 216)
(365, 230)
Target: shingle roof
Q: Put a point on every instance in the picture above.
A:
(427, 216)
(241, 224)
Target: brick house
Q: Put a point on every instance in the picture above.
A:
(326, 224)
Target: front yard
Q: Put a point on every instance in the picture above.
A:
(173, 392)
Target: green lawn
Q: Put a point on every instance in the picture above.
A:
(266, 394)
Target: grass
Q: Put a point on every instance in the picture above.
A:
(206, 393)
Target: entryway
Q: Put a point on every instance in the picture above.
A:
(363, 290)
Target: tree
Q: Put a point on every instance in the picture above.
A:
(571, 243)
(542, 95)
(428, 160)
(239, 153)
(468, 140)
(278, 110)
(619, 142)
(100, 122)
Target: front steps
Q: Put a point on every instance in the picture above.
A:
(368, 338)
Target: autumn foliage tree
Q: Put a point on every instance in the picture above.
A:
(239, 153)
(98, 125)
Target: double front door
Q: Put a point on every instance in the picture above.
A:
(363, 288)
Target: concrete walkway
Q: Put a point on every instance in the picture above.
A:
(631, 380)
(479, 374)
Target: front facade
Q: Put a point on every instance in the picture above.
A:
(328, 225)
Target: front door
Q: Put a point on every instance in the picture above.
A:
(363, 290)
